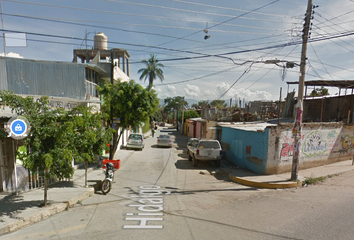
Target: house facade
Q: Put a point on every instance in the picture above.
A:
(67, 84)
(199, 128)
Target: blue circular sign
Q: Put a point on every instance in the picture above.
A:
(18, 127)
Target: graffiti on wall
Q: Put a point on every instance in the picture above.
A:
(314, 143)
(347, 143)
(287, 150)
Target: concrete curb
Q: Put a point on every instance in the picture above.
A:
(45, 213)
(264, 184)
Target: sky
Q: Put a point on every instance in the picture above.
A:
(230, 64)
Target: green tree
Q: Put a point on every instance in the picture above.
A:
(152, 71)
(48, 145)
(319, 92)
(129, 102)
(174, 104)
(219, 104)
(200, 104)
(89, 139)
(189, 114)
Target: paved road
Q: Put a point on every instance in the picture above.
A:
(159, 195)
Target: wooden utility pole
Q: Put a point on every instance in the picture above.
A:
(111, 153)
(182, 125)
(300, 96)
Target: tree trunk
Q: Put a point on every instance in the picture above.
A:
(86, 165)
(116, 139)
(45, 187)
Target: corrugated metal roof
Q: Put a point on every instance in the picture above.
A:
(247, 126)
(328, 83)
(32, 77)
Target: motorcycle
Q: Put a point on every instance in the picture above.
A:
(109, 176)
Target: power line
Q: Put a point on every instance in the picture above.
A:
(228, 8)
(246, 71)
(189, 80)
(122, 13)
(320, 60)
(59, 20)
(189, 11)
(267, 72)
(113, 42)
(222, 55)
(215, 25)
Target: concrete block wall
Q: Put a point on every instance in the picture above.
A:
(321, 143)
(270, 151)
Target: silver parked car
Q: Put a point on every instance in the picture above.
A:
(135, 141)
(164, 141)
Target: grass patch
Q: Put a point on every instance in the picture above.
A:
(79, 202)
(312, 180)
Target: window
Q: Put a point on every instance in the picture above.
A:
(209, 144)
(135, 136)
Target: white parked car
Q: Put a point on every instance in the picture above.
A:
(135, 141)
(205, 150)
(189, 144)
(164, 141)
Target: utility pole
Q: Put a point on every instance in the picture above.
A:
(300, 96)
(182, 125)
(111, 154)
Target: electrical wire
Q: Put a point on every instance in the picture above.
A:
(126, 14)
(313, 49)
(190, 80)
(265, 73)
(229, 8)
(144, 25)
(215, 25)
(185, 10)
(246, 71)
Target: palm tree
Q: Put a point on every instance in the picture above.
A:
(152, 71)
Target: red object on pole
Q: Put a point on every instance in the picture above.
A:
(116, 163)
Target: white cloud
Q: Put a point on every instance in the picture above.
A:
(171, 89)
(208, 92)
(240, 93)
(162, 93)
(257, 95)
(11, 54)
(222, 88)
(192, 91)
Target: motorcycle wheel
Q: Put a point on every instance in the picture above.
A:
(106, 186)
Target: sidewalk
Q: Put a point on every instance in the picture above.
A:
(18, 211)
(276, 181)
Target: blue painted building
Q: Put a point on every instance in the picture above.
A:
(246, 145)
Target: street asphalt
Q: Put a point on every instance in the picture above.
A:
(18, 211)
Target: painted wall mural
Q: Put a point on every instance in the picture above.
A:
(314, 143)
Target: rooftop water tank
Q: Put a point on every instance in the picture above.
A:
(100, 41)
